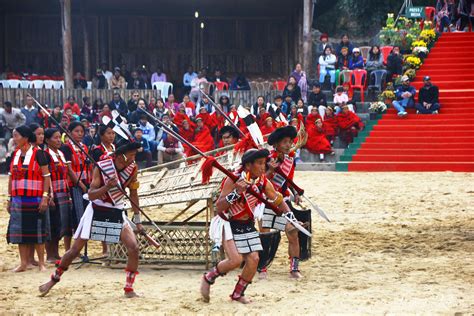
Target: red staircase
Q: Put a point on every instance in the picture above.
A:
(443, 142)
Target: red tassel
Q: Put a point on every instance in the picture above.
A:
(206, 169)
(244, 144)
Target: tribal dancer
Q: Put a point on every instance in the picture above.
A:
(234, 226)
(282, 158)
(60, 208)
(107, 206)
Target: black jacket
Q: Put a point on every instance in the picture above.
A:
(395, 64)
(428, 94)
(317, 99)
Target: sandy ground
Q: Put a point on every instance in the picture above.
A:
(399, 243)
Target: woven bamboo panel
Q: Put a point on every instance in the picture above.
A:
(186, 243)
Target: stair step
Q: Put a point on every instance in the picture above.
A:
(398, 139)
(415, 151)
(407, 166)
(415, 158)
(429, 145)
(422, 133)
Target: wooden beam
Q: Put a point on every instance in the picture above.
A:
(87, 61)
(307, 39)
(67, 43)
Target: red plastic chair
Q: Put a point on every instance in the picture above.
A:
(386, 50)
(221, 85)
(359, 79)
(279, 85)
(429, 13)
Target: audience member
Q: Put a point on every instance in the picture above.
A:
(301, 80)
(135, 81)
(188, 78)
(106, 73)
(240, 83)
(99, 81)
(292, 90)
(356, 61)
(405, 95)
(428, 102)
(119, 104)
(327, 65)
(30, 112)
(343, 59)
(344, 43)
(170, 149)
(375, 59)
(324, 39)
(144, 153)
(317, 99)
(11, 118)
(118, 81)
(79, 81)
(394, 63)
(71, 104)
(158, 76)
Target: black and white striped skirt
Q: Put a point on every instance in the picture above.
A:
(246, 237)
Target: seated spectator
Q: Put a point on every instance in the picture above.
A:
(190, 106)
(71, 104)
(219, 120)
(30, 112)
(135, 82)
(86, 109)
(428, 102)
(442, 15)
(144, 153)
(343, 60)
(118, 81)
(356, 61)
(119, 104)
(240, 83)
(287, 104)
(257, 105)
(327, 65)
(79, 81)
(268, 127)
(169, 149)
(313, 116)
(105, 72)
(133, 102)
(143, 75)
(195, 94)
(125, 72)
(207, 119)
(205, 103)
(405, 95)
(171, 104)
(349, 124)
(202, 137)
(89, 140)
(234, 116)
(394, 63)
(96, 108)
(261, 116)
(277, 107)
(218, 76)
(317, 99)
(160, 132)
(317, 142)
(152, 105)
(330, 124)
(301, 80)
(72, 117)
(188, 77)
(324, 39)
(186, 130)
(181, 116)
(301, 108)
(292, 90)
(224, 102)
(158, 76)
(375, 59)
(294, 114)
(229, 136)
(105, 111)
(341, 98)
(56, 115)
(344, 43)
(134, 117)
(160, 109)
(99, 81)
(148, 131)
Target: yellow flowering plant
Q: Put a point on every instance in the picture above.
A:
(419, 43)
(413, 61)
(410, 73)
(387, 95)
(428, 35)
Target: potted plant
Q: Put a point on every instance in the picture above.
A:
(387, 96)
(377, 108)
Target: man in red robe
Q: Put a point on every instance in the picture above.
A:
(317, 142)
(330, 125)
(267, 128)
(349, 124)
(202, 137)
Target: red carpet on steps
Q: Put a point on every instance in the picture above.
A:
(443, 142)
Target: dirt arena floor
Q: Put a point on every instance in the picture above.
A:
(399, 243)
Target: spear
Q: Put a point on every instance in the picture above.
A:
(149, 238)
